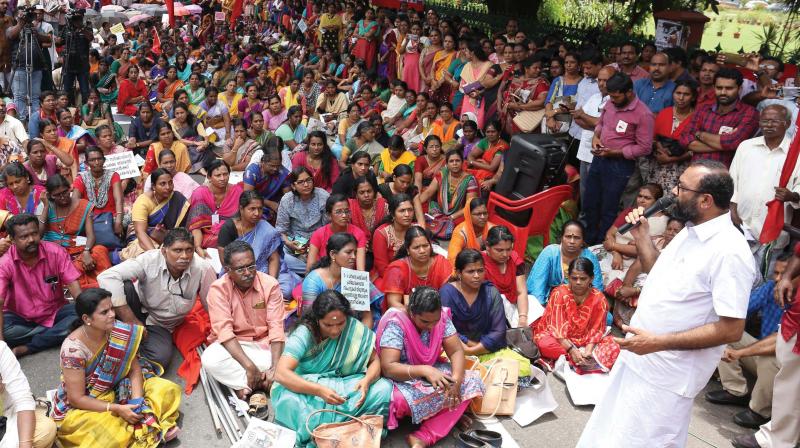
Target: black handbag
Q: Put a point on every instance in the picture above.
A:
(521, 341)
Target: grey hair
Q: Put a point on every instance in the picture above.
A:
(781, 109)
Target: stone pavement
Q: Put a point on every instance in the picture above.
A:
(711, 425)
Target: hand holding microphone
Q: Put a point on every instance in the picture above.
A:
(637, 218)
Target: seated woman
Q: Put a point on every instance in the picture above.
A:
(358, 166)
(337, 207)
(182, 182)
(429, 163)
(153, 213)
(211, 205)
(105, 82)
(67, 129)
(195, 90)
(108, 396)
(165, 92)
(166, 140)
(392, 157)
(215, 116)
(618, 251)
(470, 137)
(363, 140)
(485, 161)
(446, 126)
(319, 160)
(274, 114)
(435, 394)
(256, 129)
(347, 129)
(293, 132)
(388, 237)
(415, 265)
(269, 178)
(143, 130)
(250, 103)
(238, 151)
(191, 132)
(51, 140)
(449, 192)
(506, 270)
(401, 182)
(132, 91)
(21, 195)
(328, 362)
(42, 165)
(626, 291)
(550, 268)
(299, 215)
(476, 306)
(69, 224)
(367, 209)
(340, 252)
(574, 322)
(250, 227)
(101, 187)
(471, 233)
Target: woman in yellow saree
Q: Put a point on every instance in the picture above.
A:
(440, 86)
(107, 395)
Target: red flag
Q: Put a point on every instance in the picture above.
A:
(171, 11)
(773, 224)
(236, 11)
(156, 43)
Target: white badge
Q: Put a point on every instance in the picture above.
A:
(215, 219)
(725, 130)
(80, 240)
(622, 127)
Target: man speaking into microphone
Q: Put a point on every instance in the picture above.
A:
(693, 303)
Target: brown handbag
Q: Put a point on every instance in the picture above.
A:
(359, 432)
(500, 379)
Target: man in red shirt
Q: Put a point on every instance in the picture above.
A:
(784, 428)
(706, 93)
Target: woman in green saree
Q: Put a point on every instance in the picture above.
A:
(328, 363)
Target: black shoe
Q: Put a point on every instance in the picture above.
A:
(749, 419)
(491, 438)
(724, 397)
(464, 440)
(745, 441)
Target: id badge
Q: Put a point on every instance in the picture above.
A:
(215, 219)
(725, 130)
(622, 127)
(80, 240)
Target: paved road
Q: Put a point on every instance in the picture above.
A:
(711, 425)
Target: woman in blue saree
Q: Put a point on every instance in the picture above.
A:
(329, 363)
(269, 178)
(327, 274)
(266, 242)
(153, 213)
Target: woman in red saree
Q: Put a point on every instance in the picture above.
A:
(211, 205)
(132, 91)
(485, 161)
(429, 163)
(319, 160)
(367, 209)
(408, 59)
(574, 322)
(506, 270)
(523, 93)
(388, 238)
(366, 32)
(69, 224)
(415, 265)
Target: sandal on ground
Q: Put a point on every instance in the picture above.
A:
(464, 423)
(258, 405)
(172, 434)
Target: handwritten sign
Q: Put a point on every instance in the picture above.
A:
(219, 16)
(302, 26)
(117, 29)
(355, 286)
(123, 163)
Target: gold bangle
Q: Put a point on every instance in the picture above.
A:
(408, 372)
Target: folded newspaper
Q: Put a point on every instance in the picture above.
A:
(261, 434)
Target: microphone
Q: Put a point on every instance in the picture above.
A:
(660, 205)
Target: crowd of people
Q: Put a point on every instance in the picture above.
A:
(297, 140)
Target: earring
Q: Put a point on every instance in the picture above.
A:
(89, 324)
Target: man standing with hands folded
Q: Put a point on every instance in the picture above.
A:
(693, 303)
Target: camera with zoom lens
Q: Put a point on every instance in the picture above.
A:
(28, 14)
(75, 14)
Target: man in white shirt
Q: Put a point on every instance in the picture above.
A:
(756, 170)
(693, 303)
(591, 62)
(12, 131)
(586, 118)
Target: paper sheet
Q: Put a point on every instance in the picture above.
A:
(534, 402)
(216, 263)
(583, 389)
(496, 426)
(235, 177)
(261, 434)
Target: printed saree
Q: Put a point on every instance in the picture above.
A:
(450, 199)
(203, 209)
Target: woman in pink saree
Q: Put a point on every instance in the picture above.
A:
(211, 205)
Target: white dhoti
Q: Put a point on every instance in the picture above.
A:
(636, 414)
(219, 363)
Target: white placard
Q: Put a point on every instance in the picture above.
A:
(123, 163)
(301, 24)
(355, 286)
(261, 434)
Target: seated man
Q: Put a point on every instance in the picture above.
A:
(33, 274)
(246, 310)
(169, 280)
(741, 355)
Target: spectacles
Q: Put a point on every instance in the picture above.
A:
(64, 193)
(242, 270)
(768, 66)
(305, 181)
(342, 212)
(681, 187)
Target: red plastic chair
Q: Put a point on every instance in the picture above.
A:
(543, 206)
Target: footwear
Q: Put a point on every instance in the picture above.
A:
(724, 397)
(464, 440)
(749, 419)
(258, 405)
(491, 438)
(745, 441)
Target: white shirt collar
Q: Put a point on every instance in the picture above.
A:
(706, 230)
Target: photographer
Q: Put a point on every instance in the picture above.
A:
(77, 39)
(24, 53)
